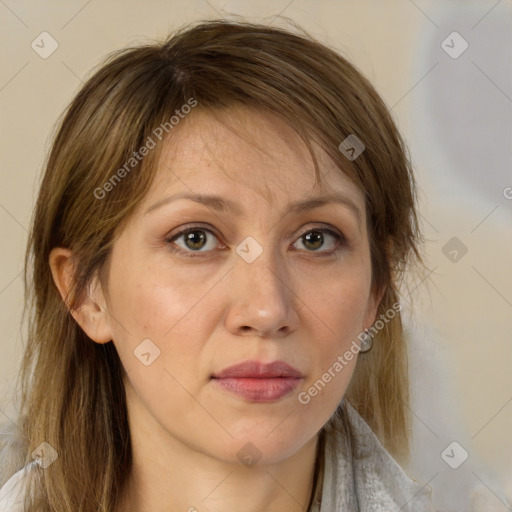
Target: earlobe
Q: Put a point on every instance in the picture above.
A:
(90, 315)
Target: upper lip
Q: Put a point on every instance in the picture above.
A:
(257, 369)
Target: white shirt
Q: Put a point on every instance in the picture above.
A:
(12, 494)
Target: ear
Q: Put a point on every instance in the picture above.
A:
(92, 314)
(374, 301)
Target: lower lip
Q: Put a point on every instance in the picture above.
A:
(260, 389)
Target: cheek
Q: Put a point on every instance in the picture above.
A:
(338, 310)
(167, 307)
(151, 298)
(341, 305)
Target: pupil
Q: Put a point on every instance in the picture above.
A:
(193, 241)
(314, 237)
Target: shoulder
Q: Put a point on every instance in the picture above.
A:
(12, 493)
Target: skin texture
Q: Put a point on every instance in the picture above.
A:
(293, 303)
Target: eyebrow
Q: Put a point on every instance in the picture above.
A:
(222, 204)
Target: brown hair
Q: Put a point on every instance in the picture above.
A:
(69, 383)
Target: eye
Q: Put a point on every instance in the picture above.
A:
(195, 240)
(314, 239)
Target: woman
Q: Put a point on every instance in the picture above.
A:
(214, 264)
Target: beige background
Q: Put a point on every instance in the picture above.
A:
(455, 115)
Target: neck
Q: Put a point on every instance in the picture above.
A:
(168, 474)
(201, 484)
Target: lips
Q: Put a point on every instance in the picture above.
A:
(257, 370)
(259, 382)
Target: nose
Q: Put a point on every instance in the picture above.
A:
(262, 301)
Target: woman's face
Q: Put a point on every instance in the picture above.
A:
(257, 280)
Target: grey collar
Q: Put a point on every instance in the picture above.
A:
(359, 475)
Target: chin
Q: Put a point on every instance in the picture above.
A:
(264, 445)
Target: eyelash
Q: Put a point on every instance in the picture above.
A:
(340, 239)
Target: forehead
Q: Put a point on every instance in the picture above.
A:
(235, 150)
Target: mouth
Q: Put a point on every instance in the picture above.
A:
(259, 382)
